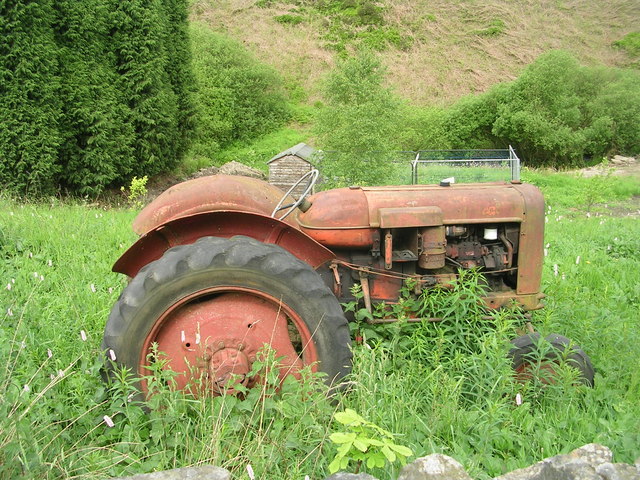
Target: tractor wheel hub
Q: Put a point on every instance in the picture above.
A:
(228, 367)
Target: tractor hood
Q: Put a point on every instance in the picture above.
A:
(209, 194)
(348, 217)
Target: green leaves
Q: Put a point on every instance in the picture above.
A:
(359, 123)
(92, 92)
(364, 442)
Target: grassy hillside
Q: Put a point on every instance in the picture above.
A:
(435, 51)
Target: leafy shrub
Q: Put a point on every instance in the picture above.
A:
(630, 43)
(238, 97)
(496, 27)
(556, 113)
(359, 122)
(288, 19)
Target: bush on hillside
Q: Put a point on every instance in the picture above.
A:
(559, 113)
(556, 113)
(360, 122)
(238, 97)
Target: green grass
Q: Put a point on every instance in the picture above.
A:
(434, 391)
(255, 154)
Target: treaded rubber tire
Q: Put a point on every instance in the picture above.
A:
(525, 346)
(238, 261)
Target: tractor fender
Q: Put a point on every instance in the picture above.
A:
(187, 229)
(209, 194)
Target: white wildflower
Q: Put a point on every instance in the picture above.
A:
(35, 274)
(518, 399)
(110, 289)
(93, 288)
(83, 335)
(252, 476)
(60, 373)
(30, 255)
(108, 421)
(49, 263)
(563, 277)
(546, 252)
(112, 355)
(26, 388)
(8, 286)
(578, 260)
(555, 269)
(49, 353)
(42, 278)
(23, 344)
(9, 312)
(547, 245)
(546, 219)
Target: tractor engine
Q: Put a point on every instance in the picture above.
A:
(383, 236)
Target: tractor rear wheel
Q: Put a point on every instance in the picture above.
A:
(533, 357)
(211, 306)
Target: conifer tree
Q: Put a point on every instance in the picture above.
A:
(30, 108)
(138, 37)
(97, 146)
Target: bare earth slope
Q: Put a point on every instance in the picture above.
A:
(451, 52)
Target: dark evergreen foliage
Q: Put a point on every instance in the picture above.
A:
(92, 92)
(30, 107)
(97, 147)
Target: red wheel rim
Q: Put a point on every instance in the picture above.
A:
(545, 372)
(212, 337)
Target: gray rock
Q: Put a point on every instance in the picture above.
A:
(350, 476)
(434, 467)
(593, 453)
(580, 464)
(618, 471)
(207, 472)
(205, 172)
(620, 160)
(237, 168)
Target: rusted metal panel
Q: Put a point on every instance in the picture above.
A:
(404, 217)
(531, 241)
(208, 194)
(186, 230)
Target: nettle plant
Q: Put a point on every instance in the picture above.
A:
(364, 442)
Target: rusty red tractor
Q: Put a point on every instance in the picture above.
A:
(227, 264)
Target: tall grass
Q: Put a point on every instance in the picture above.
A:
(439, 387)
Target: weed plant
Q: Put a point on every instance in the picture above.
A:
(437, 386)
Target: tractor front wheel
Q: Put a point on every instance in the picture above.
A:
(211, 306)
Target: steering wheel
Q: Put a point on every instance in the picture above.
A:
(311, 177)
